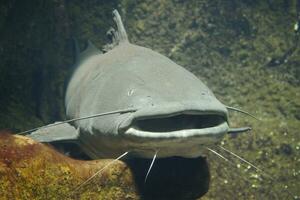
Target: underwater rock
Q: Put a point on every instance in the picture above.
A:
(32, 170)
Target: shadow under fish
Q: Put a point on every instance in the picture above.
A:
(171, 178)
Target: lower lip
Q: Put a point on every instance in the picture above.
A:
(187, 143)
(180, 134)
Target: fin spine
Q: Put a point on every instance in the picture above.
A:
(121, 33)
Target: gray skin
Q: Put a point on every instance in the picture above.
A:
(173, 111)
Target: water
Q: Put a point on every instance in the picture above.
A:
(229, 45)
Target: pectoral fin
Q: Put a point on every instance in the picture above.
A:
(60, 133)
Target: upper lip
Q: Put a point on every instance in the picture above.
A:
(176, 121)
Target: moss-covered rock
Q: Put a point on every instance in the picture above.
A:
(31, 170)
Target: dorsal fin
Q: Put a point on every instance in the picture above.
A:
(122, 35)
(116, 36)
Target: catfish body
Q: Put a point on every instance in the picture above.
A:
(175, 112)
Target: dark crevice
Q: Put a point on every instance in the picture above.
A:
(173, 178)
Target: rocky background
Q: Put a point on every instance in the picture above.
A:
(245, 51)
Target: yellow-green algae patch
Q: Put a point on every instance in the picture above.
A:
(30, 170)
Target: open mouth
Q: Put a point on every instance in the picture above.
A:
(179, 126)
(179, 132)
(178, 122)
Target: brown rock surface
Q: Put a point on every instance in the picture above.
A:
(31, 170)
